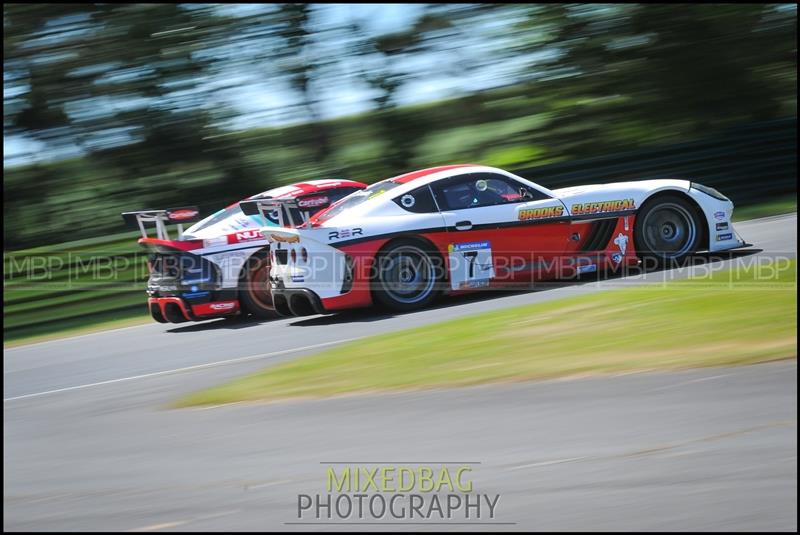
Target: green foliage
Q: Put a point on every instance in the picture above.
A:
(140, 90)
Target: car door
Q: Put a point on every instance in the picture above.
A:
(502, 230)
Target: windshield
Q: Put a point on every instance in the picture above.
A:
(357, 198)
(235, 218)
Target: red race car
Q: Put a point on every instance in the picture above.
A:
(405, 240)
(219, 266)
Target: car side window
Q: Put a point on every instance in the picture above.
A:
(475, 190)
(419, 201)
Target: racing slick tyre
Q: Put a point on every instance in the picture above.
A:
(667, 230)
(255, 294)
(407, 275)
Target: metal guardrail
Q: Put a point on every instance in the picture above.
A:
(748, 163)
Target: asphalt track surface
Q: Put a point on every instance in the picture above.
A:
(89, 444)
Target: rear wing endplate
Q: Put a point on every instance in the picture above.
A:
(161, 218)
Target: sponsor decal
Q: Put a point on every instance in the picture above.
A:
(345, 233)
(245, 235)
(215, 242)
(313, 202)
(284, 239)
(603, 207)
(298, 278)
(620, 241)
(530, 214)
(719, 215)
(407, 201)
(473, 284)
(194, 294)
(724, 237)
(722, 226)
(587, 269)
(180, 215)
(222, 306)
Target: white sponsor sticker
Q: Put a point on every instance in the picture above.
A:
(620, 241)
(471, 264)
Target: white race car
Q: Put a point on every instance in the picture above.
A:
(405, 240)
(219, 266)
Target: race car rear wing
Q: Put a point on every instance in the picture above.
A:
(160, 218)
(288, 212)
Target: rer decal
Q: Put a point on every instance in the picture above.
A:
(603, 207)
(529, 214)
(345, 233)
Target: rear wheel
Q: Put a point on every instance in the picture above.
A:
(254, 289)
(407, 276)
(667, 230)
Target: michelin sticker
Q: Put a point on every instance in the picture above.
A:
(471, 264)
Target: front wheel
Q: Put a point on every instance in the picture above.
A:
(406, 276)
(667, 230)
(254, 290)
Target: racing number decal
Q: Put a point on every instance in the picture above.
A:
(471, 264)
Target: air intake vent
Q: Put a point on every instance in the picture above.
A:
(599, 235)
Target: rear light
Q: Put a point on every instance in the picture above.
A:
(293, 255)
(304, 254)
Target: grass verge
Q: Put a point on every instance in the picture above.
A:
(730, 317)
(769, 208)
(79, 327)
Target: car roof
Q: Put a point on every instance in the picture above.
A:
(416, 175)
(306, 188)
(410, 181)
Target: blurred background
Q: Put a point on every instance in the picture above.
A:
(116, 107)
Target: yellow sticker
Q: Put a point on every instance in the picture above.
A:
(603, 207)
(528, 214)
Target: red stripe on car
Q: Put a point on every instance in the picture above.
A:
(408, 177)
